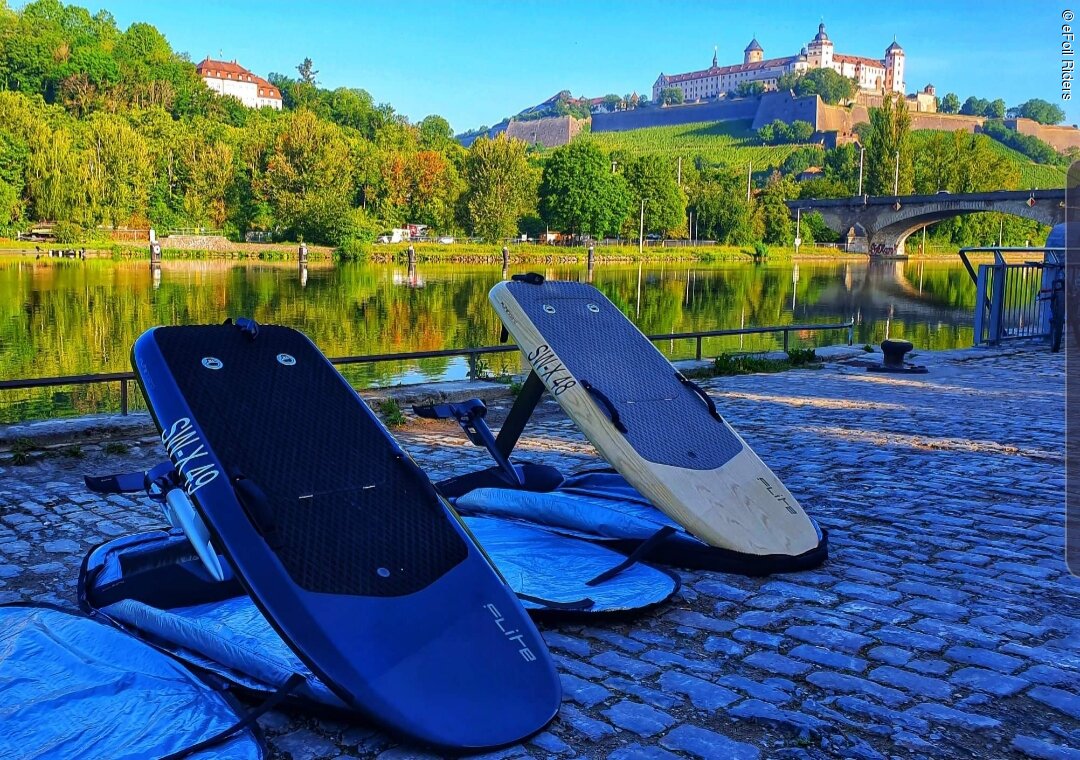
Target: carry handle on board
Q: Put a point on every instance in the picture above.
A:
(613, 413)
(700, 393)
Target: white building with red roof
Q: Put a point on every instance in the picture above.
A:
(230, 78)
(871, 74)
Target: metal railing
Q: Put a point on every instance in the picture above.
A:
(472, 354)
(1010, 301)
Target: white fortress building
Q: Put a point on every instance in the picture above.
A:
(230, 78)
(872, 74)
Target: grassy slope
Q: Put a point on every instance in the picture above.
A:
(727, 142)
(733, 143)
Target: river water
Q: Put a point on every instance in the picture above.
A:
(60, 317)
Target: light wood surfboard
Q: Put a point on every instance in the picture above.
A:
(686, 460)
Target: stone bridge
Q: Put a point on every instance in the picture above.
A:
(888, 220)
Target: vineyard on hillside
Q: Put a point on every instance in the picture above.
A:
(1032, 175)
(731, 143)
(734, 144)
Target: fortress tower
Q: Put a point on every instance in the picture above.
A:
(819, 53)
(894, 68)
(753, 53)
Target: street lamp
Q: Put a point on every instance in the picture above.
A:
(798, 221)
(862, 150)
(641, 230)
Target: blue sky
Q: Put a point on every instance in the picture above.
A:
(475, 62)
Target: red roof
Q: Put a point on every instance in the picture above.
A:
(858, 59)
(231, 70)
(738, 68)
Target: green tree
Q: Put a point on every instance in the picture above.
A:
(995, 109)
(950, 103)
(307, 72)
(435, 132)
(1041, 111)
(888, 146)
(974, 106)
(580, 193)
(801, 131)
(653, 179)
(307, 181)
(670, 96)
(802, 159)
(827, 83)
(750, 89)
(775, 215)
(721, 211)
(842, 166)
(499, 182)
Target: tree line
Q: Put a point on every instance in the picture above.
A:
(102, 128)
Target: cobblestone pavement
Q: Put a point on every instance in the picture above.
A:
(944, 624)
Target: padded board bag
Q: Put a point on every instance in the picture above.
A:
(662, 432)
(74, 687)
(340, 540)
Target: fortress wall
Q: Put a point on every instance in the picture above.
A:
(786, 107)
(1060, 137)
(718, 110)
(551, 133)
(946, 122)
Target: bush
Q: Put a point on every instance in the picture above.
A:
(68, 232)
(352, 249)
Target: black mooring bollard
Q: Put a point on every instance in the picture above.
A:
(892, 358)
(893, 352)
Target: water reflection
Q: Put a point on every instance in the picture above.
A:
(60, 317)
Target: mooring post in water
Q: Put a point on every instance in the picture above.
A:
(155, 249)
(505, 257)
(592, 256)
(302, 252)
(412, 256)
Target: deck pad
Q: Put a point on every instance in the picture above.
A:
(662, 435)
(341, 541)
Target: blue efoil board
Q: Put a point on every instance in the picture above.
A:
(341, 541)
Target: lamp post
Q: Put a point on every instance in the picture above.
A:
(641, 230)
(862, 150)
(798, 227)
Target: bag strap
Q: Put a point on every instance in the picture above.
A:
(267, 705)
(640, 553)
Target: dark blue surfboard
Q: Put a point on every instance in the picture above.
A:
(341, 540)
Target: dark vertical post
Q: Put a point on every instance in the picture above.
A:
(592, 256)
(302, 252)
(123, 398)
(528, 397)
(505, 257)
(411, 253)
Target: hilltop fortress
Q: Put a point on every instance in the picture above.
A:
(872, 75)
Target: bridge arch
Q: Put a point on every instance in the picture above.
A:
(889, 220)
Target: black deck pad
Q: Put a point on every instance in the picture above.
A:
(341, 499)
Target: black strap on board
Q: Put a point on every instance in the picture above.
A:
(532, 278)
(603, 399)
(700, 393)
(268, 704)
